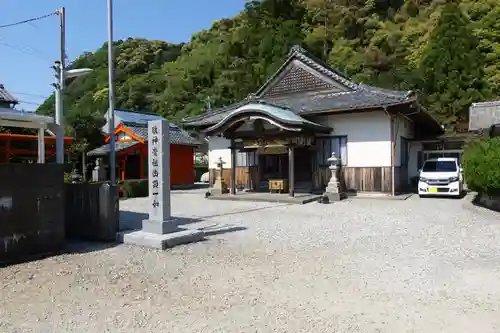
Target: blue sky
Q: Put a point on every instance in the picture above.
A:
(27, 51)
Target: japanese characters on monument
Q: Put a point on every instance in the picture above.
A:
(159, 170)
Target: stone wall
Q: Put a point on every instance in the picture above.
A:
(488, 201)
(31, 210)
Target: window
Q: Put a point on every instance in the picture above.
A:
(440, 166)
(246, 159)
(327, 146)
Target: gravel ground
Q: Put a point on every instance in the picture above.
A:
(420, 265)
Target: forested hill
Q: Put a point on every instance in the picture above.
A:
(449, 51)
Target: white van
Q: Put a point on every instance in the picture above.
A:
(440, 176)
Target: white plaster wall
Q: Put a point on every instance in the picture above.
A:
(218, 147)
(368, 137)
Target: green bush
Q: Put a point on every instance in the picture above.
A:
(134, 188)
(481, 163)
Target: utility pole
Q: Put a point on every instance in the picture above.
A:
(59, 85)
(111, 90)
(325, 38)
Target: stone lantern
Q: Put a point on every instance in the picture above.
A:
(220, 187)
(332, 190)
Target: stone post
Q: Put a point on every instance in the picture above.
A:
(220, 187)
(332, 190)
(160, 230)
(233, 168)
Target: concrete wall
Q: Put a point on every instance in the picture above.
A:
(31, 210)
(368, 137)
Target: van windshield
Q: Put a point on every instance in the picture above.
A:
(439, 166)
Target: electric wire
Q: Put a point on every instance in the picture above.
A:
(28, 94)
(26, 50)
(28, 20)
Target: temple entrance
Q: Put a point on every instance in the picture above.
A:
(274, 166)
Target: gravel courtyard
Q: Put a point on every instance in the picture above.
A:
(420, 265)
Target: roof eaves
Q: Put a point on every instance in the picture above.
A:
(197, 118)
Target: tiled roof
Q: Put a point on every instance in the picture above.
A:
(357, 96)
(284, 115)
(105, 149)
(297, 52)
(357, 99)
(362, 98)
(5, 96)
(177, 135)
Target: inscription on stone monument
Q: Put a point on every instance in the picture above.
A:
(159, 170)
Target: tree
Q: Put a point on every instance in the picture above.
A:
(480, 162)
(452, 68)
(409, 45)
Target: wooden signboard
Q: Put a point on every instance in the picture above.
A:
(272, 150)
(299, 141)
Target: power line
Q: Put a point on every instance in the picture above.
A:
(29, 20)
(30, 103)
(28, 94)
(26, 50)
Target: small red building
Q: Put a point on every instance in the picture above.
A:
(131, 146)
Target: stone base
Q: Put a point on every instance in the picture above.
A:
(160, 228)
(220, 187)
(334, 196)
(162, 242)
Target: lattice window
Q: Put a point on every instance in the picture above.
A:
(298, 80)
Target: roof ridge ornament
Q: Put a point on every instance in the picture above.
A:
(251, 97)
(297, 48)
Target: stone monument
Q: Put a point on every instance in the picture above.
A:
(220, 187)
(332, 190)
(99, 173)
(160, 230)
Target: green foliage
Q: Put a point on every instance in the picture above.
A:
(480, 163)
(449, 52)
(136, 188)
(67, 177)
(452, 67)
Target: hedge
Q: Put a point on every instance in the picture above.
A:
(481, 164)
(134, 188)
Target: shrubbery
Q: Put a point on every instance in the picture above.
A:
(135, 188)
(481, 163)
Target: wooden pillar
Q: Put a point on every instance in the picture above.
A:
(124, 167)
(291, 171)
(41, 146)
(233, 168)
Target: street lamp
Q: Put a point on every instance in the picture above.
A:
(61, 76)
